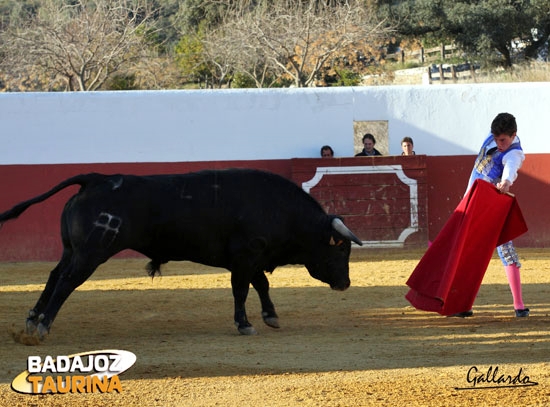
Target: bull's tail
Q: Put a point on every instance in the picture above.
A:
(21, 207)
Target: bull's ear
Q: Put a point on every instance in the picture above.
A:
(332, 242)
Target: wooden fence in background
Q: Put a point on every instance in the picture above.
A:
(424, 55)
(454, 72)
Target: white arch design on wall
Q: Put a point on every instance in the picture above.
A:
(392, 169)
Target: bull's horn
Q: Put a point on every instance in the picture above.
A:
(339, 226)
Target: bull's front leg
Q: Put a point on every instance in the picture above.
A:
(240, 287)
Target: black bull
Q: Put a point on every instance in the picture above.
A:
(246, 221)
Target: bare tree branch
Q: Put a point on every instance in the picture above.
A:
(297, 38)
(86, 42)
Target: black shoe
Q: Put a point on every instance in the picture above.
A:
(467, 314)
(520, 313)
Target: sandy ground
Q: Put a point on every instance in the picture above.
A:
(363, 347)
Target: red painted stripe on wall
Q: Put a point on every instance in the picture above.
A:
(441, 184)
(35, 235)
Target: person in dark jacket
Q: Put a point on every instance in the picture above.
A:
(368, 142)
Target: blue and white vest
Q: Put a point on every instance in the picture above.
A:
(488, 165)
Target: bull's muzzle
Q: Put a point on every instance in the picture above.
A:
(341, 286)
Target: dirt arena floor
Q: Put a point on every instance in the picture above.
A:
(363, 347)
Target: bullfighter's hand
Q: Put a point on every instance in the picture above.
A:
(504, 186)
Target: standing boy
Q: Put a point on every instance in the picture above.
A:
(498, 162)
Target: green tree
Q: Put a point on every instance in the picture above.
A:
(483, 28)
(540, 42)
(196, 13)
(491, 25)
(347, 78)
(190, 59)
(165, 15)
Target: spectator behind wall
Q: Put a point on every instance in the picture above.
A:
(407, 146)
(327, 152)
(368, 142)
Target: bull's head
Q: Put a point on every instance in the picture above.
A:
(330, 263)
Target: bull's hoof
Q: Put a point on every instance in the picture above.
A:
(249, 330)
(42, 331)
(35, 327)
(246, 329)
(31, 322)
(273, 322)
(30, 327)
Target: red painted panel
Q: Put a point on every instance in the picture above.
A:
(35, 235)
(448, 178)
(374, 202)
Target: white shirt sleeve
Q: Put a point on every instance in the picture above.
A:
(512, 163)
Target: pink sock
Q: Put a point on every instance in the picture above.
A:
(514, 280)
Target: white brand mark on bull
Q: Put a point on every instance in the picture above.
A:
(110, 224)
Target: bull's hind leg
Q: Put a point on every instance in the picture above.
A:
(261, 284)
(33, 318)
(69, 277)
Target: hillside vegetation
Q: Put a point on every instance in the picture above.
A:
(86, 45)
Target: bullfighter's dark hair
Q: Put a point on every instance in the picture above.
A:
(504, 123)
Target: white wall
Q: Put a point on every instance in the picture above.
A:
(171, 126)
